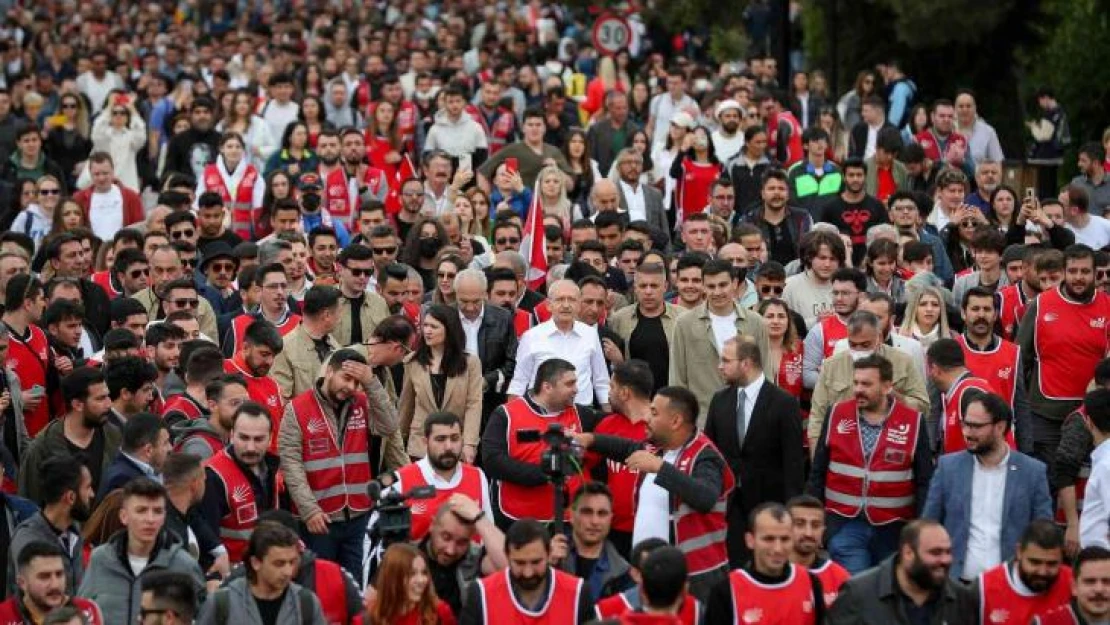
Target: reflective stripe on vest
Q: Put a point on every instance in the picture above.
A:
(519, 502)
(701, 536)
(338, 478)
(242, 507)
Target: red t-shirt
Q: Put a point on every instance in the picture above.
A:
(887, 186)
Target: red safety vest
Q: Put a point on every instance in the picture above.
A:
(998, 366)
(621, 480)
(215, 443)
(331, 590)
(1063, 615)
(240, 324)
(338, 199)
(700, 536)
(522, 502)
(1070, 339)
(236, 526)
(618, 606)
(832, 577)
(30, 361)
(12, 613)
(522, 322)
(790, 371)
(262, 389)
(499, 605)
(338, 479)
(103, 279)
(500, 132)
(882, 485)
(244, 214)
(833, 328)
(184, 404)
(424, 510)
(1001, 602)
(794, 152)
(930, 143)
(952, 404)
(788, 603)
(1011, 309)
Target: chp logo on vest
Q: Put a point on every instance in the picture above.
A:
(846, 427)
(898, 435)
(358, 419)
(1099, 323)
(336, 189)
(1050, 317)
(241, 493)
(1004, 373)
(317, 425)
(753, 615)
(999, 616)
(272, 400)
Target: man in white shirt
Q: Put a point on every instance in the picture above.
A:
(728, 138)
(1094, 522)
(563, 337)
(664, 106)
(1090, 230)
(98, 82)
(280, 110)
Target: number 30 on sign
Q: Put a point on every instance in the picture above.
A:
(611, 34)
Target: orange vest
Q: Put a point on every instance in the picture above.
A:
(1001, 602)
(236, 526)
(788, 603)
(998, 366)
(953, 402)
(882, 486)
(832, 577)
(521, 502)
(338, 478)
(561, 607)
(832, 330)
(1070, 339)
(30, 361)
(241, 203)
(423, 511)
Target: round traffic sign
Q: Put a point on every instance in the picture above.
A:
(611, 34)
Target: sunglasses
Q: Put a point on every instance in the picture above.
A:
(50, 191)
(188, 262)
(137, 273)
(223, 267)
(119, 112)
(359, 272)
(186, 303)
(507, 241)
(384, 251)
(182, 234)
(768, 289)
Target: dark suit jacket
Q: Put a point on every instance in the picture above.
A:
(530, 300)
(770, 464)
(653, 206)
(118, 474)
(497, 350)
(857, 138)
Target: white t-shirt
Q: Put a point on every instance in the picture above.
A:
(106, 213)
(637, 211)
(138, 565)
(724, 328)
(653, 511)
(278, 116)
(1095, 235)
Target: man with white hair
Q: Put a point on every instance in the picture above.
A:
(728, 139)
(510, 259)
(565, 338)
(489, 335)
(988, 176)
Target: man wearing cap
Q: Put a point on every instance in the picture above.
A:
(612, 134)
(219, 267)
(728, 139)
(313, 214)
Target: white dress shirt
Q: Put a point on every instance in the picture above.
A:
(580, 346)
(988, 488)
(431, 478)
(653, 507)
(634, 198)
(1094, 523)
(470, 328)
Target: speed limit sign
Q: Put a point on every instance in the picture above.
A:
(611, 34)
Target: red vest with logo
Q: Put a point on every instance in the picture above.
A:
(789, 377)
(184, 404)
(1011, 308)
(1001, 602)
(561, 607)
(11, 613)
(331, 590)
(240, 324)
(787, 603)
(998, 366)
(794, 152)
(1070, 338)
(500, 132)
(338, 201)
(882, 485)
(617, 606)
(832, 330)
(30, 361)
(621, 480)
(236, 526)
(424, 510)
(338, 478)
(953, 402)
(832, 577)
(262, 389)
(103, 279)
(215, 443)
(700, 536)
(930, 143)
(241, 202)
(1063, 615)
(522, 502)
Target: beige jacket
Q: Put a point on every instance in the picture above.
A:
(624, 322)
(373, 310)
(834, 385)
(297, 366)
(463, 397)
(205, 315)
(393, 446)
(694, 355)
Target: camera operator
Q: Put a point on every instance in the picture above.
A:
(523, 487)
(684, 485)
(588, 552)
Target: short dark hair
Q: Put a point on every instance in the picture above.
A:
(251, 409)
(774, 174)
(916, 251)
(1094, 151)
(977, 292)
(394, 328)
(776, 510)
(996, 407)
(946, 353)
(128, 373)
(320, 298)
(321, 231)
(875, 361)
(141, 429)
(525, 532)
(266, 536)
(683, 400)
(21, 288)
(988, 238)
(1043, 533)
(663, 576)
(444, 418)
(608, 219)
(716, 267)
(853, 275)
(549, 371)
(38, 549)
(179, 467)
(808, 502)
(209, 199)
(911, 532)
(62, 310)
(1093, 553)
(143, 488)
(174, 591)
(122, 308)
(1077, 251)
(356, 251)
(203, 364)
(160, 332)
(636, 376)
(340, 356)
(76, 385)
(215, 387)
(60, 473)
(262, 333)
(124, 259)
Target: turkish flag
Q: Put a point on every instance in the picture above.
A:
(533, 246)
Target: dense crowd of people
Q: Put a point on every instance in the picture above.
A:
(670, 342)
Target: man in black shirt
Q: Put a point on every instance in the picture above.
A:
(190, 151)
(645, 328)
(853, 211)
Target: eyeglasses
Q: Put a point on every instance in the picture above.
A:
(185, 302)
(188, 262)
(359, 272)
(384, 251)
(971, 425)
(135, 274)
(507, 241)
(182, 234)
(223, 267)
(768, 289)
(50, 191)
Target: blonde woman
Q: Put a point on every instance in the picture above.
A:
(607, 80)
(37, 219)
(479, 201)
(67, 136)
(553, 196)
(471, 228)
(926, 317)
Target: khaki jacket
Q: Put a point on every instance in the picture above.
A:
(834, 385)
(297, 366)
(625, 320)
(393, 446)
(373, 311)
(205, 315)
(463, 397)
(694, 355)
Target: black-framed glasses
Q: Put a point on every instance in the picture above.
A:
(188, 262)
(507, 241)
(186, 302)
(768, 289)
(971, 425)
(135, 274)
(384, 251)
(182, 234)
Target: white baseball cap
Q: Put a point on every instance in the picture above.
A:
(684, 119)
(728, 105)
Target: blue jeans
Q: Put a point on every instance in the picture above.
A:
(342, 544)
(857, 545)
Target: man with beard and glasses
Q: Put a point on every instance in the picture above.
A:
(1035, 582)
(442, 469)
(947, 371)
(910, 587)
(359, 310)
(82, 431)
(808, 514)
(988, 493)
(241, 480)
(991, 357)
(206, 437)
(1063, 336)
(261, 344)
(1090, 589)
(41, 577)
(67, 500)
(530, 589)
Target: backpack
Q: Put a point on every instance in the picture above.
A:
(222, 598)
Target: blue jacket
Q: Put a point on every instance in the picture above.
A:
(117, 474)
(949, 501)
(942, 265)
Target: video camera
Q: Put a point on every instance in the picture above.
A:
(394, 515)
(561, 458)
